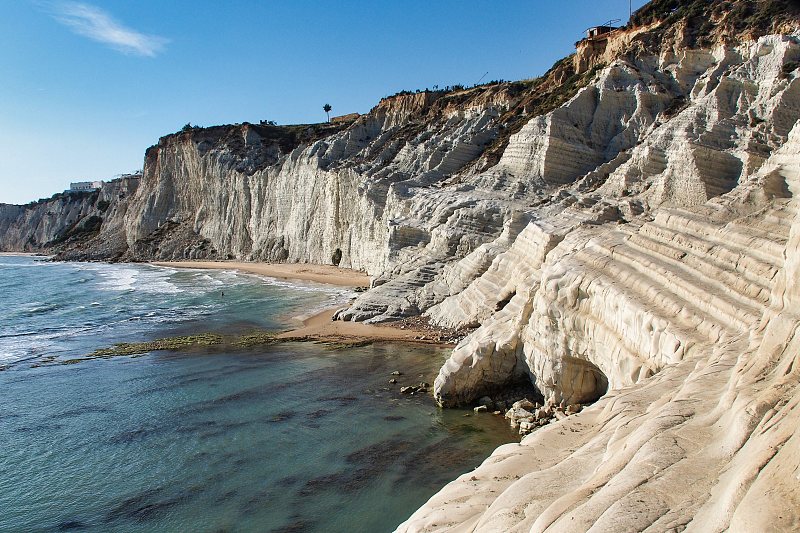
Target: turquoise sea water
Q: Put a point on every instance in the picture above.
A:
(288, 437)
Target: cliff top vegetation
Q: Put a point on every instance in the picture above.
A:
(709, 21)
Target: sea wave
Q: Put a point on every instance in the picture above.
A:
(38, 263)
(81, 306)
(132, 279)
(40, 308)
(27, 345)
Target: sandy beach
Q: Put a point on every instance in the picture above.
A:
(319, 327)
(342, 277)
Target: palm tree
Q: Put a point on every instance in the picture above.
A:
(327, 108)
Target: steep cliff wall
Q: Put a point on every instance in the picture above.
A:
(67, 221)
(711, 146)
(339, 198)
(707, 443)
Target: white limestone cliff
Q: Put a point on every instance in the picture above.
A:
(66, 217)
(709, 441)
(552, 346)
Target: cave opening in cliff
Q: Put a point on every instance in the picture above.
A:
(582, 381)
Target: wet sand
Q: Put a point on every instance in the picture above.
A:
(321, 328)
(342, 277)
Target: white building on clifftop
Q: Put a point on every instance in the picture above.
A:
(80, 186)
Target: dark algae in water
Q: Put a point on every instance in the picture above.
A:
(183, 342)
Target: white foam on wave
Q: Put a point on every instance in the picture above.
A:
(35, 308)
(206, 279)
(168, 270)
(137, 279)
(35, 264)
(335, 296)
(117, 279)
(338, 299)
(217, 278)
(169, 316)
(10, 357)
(199, 282)
(30, 344)
(302, 285)
(157, 286)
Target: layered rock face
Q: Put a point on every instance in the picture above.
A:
(707, 443)
(581, 315)
(342, 198)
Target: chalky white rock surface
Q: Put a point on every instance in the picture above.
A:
(583, 326)
(706, 299)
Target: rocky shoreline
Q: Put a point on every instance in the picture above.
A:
(428, 331)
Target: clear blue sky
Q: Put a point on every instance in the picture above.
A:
(86, 87)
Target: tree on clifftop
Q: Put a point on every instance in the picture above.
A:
(327, 108)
